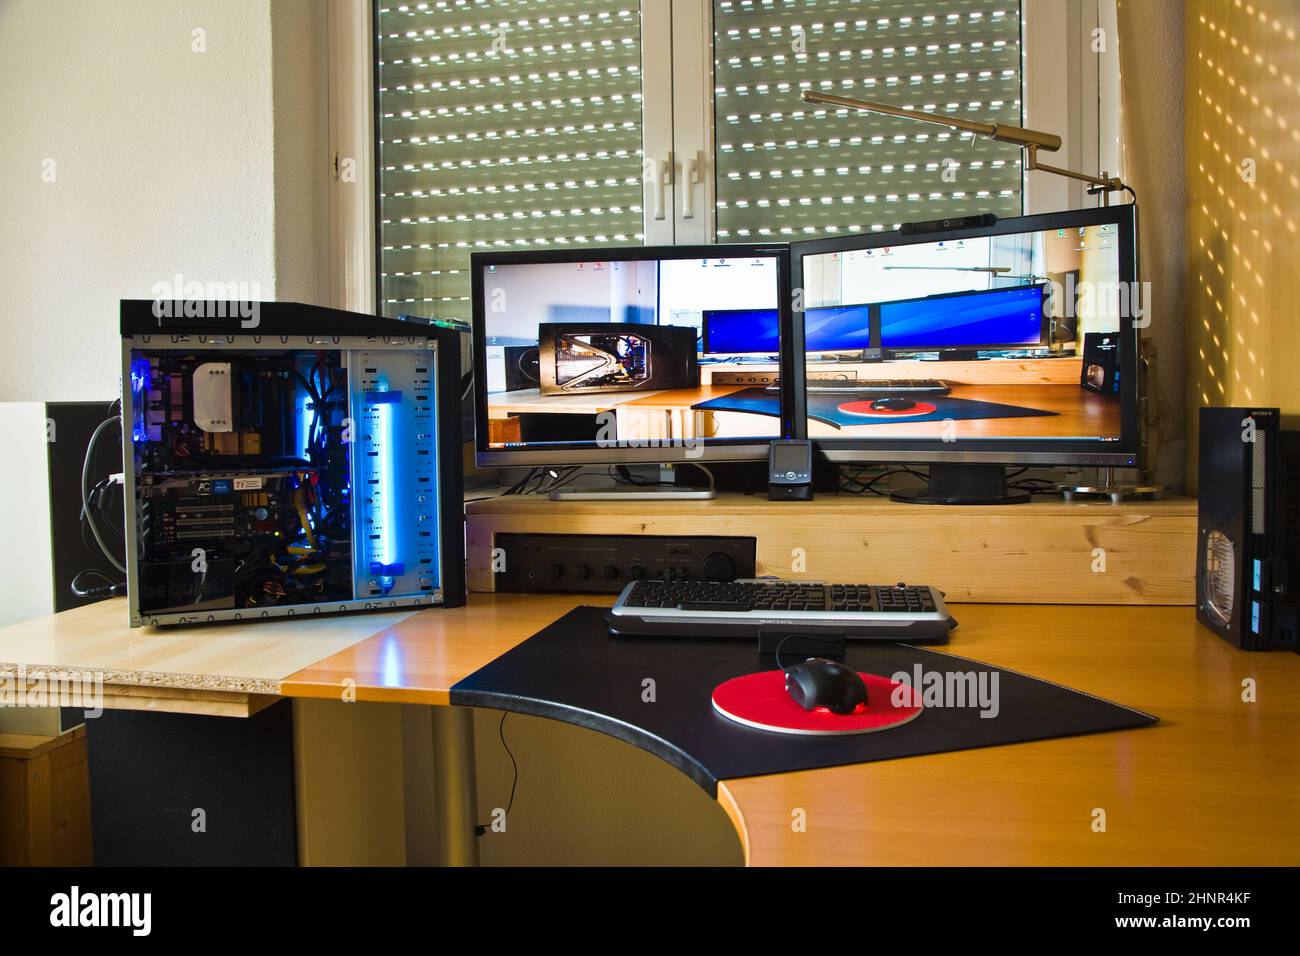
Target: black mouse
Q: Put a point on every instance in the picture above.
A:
(892, 405)
(818, 682)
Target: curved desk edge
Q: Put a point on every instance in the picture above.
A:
(727, 800)
(602, 723)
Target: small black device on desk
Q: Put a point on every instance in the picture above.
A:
(769, 608)
(789, 470)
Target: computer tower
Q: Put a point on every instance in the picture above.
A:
(578, 358)
(287, 460)
(1249, 527)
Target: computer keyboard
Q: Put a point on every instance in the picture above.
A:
(750, 608)
(873, 386)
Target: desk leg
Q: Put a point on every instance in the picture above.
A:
(454, 786)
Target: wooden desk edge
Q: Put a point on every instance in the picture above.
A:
(727, 800)
(316, 690)
(28, 746)
(180, 700)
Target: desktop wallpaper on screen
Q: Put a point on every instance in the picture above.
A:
(1012, 336)
(614, 350)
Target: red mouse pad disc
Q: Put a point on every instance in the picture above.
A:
(761, 700)
(866, 411)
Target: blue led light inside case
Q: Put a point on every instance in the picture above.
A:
(1254, 617)
(1259, 575)
(385, 402)
(141, 373)
(305, 415)
(397, 490)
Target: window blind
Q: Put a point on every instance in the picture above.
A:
(788, 170)
(501, 124)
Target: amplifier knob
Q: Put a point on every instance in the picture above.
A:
(582, 572)
(557, 571)
(636, 572)
(609, 572)
(719, 567)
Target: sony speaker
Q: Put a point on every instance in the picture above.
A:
(1248, 516)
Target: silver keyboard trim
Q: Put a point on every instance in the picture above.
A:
(897, 618)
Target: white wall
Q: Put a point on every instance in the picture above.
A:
(165, 160)
(25, 550)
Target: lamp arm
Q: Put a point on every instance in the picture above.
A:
(1001, 132)
(1101, 184)
(1029, 140)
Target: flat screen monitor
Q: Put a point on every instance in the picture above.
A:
(741, 332)
(1038, 312)
(593, 355)
(979, 319)
(837, 328)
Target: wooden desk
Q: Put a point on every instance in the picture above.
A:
(1076, 412)
(1044, 370)
(1216, 782)
(229, 670)
(1044, 552)
(676, 413)
(526, 401)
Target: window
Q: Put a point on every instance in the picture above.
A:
(788, 169)
(525, 124)
(511, 124)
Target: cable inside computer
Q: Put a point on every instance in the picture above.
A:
(242, 478)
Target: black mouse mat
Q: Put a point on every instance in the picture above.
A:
(656, 694)
(834, 409)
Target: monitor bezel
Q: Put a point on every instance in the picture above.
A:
(584, 453)
(1028, 451)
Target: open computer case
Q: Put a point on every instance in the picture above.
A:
(282, 460)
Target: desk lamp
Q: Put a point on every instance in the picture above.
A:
(1030, 142)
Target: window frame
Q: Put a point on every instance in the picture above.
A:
(1060, 75)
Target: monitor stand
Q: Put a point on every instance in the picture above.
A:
(609, 490)
(615, 492)
(964, 484)
(1108, 487)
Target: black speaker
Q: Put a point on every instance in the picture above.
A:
(521, 367)
(1248, 517)
(154, 777)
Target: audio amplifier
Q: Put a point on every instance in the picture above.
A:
(605, 563)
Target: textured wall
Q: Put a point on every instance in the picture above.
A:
(1243, 252)
(1151, 81)
(165, 161)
